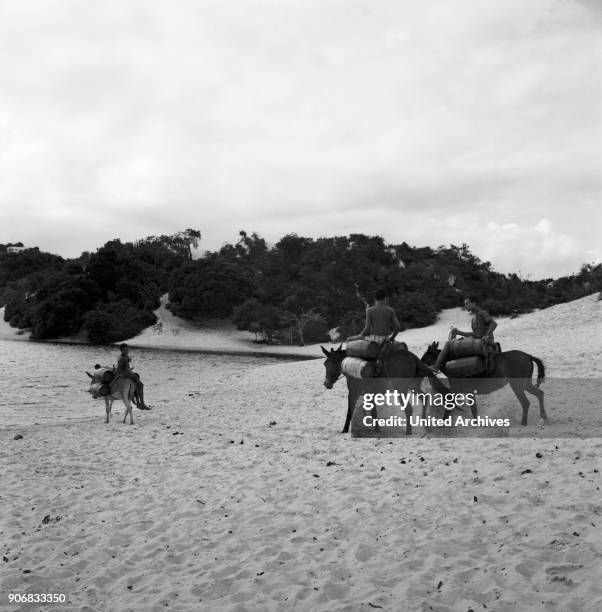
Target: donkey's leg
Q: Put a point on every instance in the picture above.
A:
(538, 393)
(108, 405)
(350, 405)
(409, 410)
(518, 386)
(351, 399)
(128, 409)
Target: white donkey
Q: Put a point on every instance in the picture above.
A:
(119, 387)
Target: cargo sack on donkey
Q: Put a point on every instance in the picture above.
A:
(369, 349)
(471, 357)
(355, 364)
(362, 355)
(103, 374)
(468, 347)
(99, 390)
(358, 368)
(100, 381)
(465, 366)
(363, 349)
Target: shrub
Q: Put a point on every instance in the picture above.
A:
(415, 310)
(209, 288)
(115, 321)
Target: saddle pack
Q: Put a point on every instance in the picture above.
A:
(99, 390)
(364, 357)
(104, 377)
(471, 357)
(101, 382)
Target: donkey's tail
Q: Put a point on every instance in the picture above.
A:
(541, 370)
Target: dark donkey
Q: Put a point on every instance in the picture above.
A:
(511, 367)
(395, 364)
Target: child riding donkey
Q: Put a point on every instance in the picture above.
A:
(124, 369)
(118, 383)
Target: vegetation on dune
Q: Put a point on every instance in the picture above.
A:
(292, 292)
(110, 294)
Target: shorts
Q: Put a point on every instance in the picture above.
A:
(375, 338)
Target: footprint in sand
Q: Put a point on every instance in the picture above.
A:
(527, 568)
(558, 573)
(364, 553)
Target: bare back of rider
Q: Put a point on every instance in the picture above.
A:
(381, 321)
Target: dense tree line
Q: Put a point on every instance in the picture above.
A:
(301, 287)
(110, 294)
(291, 292)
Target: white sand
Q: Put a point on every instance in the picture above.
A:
(10, 333)
(203, 505)
(171, 331)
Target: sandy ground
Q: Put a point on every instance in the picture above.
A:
(569, 336)
(172, 332)
(10, 333)
(245, 496)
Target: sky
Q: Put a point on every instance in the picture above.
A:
(433, 122)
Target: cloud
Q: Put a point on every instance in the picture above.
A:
(537, 251)
(256, 114)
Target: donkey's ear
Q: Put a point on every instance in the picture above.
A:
(436, 345)
(90, 375)
(340, 349)
(325, 351)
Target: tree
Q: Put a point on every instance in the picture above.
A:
(180, 243)
(122, 274)
(115, 321)
(303, 319)
(414, 310)
(351, 324)
(210, 287)
(56, 307)
(253, 316)
(250, 249)
(299, 307)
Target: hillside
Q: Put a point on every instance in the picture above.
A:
(290, 293)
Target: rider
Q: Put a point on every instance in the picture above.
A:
(124, 369)
(380, 321)
(482, 328)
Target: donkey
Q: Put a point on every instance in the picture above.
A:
(398, 364)
(510, 367)
(121, 387)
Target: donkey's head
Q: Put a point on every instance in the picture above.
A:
(334, 359)
(431, 354)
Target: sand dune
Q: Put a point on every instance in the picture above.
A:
(171, 331)
(576, 327)
(244, 496)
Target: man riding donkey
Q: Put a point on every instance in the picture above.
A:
(373, 362)
(381, 321)
(124, 369)
(482, 329)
